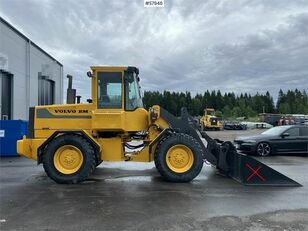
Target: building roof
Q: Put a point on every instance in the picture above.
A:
(26, 38)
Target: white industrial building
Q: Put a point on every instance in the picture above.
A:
(29, 76)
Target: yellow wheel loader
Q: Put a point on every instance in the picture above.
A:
(209, 121)
(71, 140)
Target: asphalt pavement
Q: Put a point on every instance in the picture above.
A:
(132, 196)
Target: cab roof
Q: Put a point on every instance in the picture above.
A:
(115, 68)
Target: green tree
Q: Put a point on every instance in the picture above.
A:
(227, 112)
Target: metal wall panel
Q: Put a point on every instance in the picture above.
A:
(25, 61)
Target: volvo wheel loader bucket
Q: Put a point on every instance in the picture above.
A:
(224, 156)
(249, 171)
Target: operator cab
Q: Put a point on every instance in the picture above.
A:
(209, 111)
(117, 88)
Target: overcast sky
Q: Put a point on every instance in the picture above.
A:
(231, 45)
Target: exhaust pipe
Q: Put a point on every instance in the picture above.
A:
(71, 93)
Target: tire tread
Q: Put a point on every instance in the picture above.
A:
(87, 168)
(161, 166)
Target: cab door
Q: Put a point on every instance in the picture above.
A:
(136, 117)
(109, 115)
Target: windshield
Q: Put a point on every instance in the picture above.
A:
(133, 98)
(275, 130)
(210, 112)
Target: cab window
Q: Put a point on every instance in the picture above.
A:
(133, 98)
(109, 92)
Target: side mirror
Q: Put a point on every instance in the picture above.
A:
(285, 134)
(89, 74)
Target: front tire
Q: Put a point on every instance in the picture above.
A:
(69, 159)
(263, 149)
(178, 158)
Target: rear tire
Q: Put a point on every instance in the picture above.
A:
(179, 158)
(69, 159)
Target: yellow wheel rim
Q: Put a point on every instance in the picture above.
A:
(68, 159)
(179, 158)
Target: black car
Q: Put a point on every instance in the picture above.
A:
(289, 139)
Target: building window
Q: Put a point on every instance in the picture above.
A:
(45, 90)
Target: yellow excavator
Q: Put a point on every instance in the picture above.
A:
(71, 140)
(209, 120)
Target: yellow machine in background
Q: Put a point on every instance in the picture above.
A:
(209, 121)
(71, 140)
